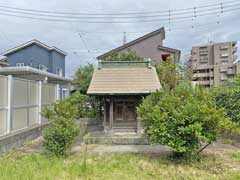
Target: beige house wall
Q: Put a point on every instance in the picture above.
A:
(148, 47)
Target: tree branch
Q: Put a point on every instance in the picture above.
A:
(203, 148)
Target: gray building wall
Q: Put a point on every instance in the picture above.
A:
(34, 55)
(213, 64)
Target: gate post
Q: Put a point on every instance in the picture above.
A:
(10, 102)
(39, 102)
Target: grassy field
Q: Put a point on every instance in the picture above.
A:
(27, 166)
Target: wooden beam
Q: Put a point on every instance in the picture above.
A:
(111, 114)
(105, 116)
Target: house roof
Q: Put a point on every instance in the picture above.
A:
(3, 63)
(34, 41)
(158, 31)
(168, 49)
(3, 60)
(31, 73)
(124, 81)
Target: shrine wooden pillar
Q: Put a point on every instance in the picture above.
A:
(105, 116)
(111, 114)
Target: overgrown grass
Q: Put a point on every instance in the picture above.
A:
(236, 155)
(18, 165)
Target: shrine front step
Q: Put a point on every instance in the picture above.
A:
(118, 139)
(125, 129)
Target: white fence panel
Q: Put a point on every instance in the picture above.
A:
(22, 101)
(49, 96)
(3, 122)
(3, 104)
(20, 119)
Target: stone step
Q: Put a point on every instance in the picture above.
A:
(124, 130)
(119, 140)
(124, 126)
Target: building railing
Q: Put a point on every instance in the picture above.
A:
(22, 101)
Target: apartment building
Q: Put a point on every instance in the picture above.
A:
(212, 64)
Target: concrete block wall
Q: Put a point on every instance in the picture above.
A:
(19, 138)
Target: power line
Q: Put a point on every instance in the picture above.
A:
(194, 11)
(112, 22)
(117, 14)
(85, 44)
(183, 28)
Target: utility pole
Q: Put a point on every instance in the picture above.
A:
(124, 37)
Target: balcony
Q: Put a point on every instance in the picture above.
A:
(223, 78)
(224, 55)
(223, 69)
(201, 75)
(230, 72)
(203, 59)
(203, 52)
(223, 47)
(207, 82)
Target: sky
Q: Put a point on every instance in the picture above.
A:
(97, 38)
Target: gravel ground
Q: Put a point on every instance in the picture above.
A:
(36, 146)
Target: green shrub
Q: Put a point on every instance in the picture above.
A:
(230, 101)
(82, 78)
(87, 107)
(124, 56)
(170, 74)
(62, 130)
(182, 118)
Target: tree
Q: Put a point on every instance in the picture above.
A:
(233, 83)
(62, 129)
(228, 97)
(124, 56)
(87, 107)
(82, 78)
(183, 118)
(169, 73)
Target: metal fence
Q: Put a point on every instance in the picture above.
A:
(21, 102)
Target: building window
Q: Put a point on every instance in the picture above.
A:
(59, 71)
(42, 67)
(165, 56)
(19, 64)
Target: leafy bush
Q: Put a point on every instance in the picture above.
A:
(86, 106)
(228, 97)
(170, 74)
(182, 118)
(62, 130)
(230, 101)
(82, 78)
(124, 56)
